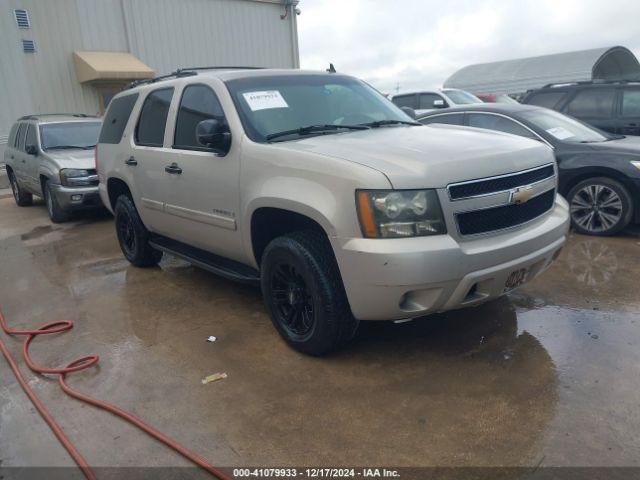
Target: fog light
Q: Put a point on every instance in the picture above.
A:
(76, 198)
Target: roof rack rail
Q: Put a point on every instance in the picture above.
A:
(592, 82)
(185, 72)
(36, 115)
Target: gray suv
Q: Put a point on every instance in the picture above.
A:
(323, 192)
(52, 156)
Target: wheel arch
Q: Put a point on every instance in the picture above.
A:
(276, 219)
(115, 188)
(593, 172)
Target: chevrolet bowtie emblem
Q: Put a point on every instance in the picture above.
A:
(521, 194)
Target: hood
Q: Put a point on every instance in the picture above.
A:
(626, 146)
(72, 158)
(430, 156)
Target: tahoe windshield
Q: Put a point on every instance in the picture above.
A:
(564, 128)
(288, 107)
(69, 135)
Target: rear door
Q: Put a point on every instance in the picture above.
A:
(9, 152)
(595, 106)
(32, 161)
(149, 157)
(629, 120)
(18, 155)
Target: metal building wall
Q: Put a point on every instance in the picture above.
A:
(164, 34)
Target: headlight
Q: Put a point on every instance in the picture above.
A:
(636, 164)
(72, 177)
(399, 213)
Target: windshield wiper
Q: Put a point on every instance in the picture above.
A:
(315, 128)
(65, 147)
(380, 123)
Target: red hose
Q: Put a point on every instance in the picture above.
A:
(75, 366)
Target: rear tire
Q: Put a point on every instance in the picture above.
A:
(133, 236)
(600, 206)
(56, 213)
(21, 196)
(303, 291)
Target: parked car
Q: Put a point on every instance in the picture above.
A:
(427, 100)
(319, 189)
(51, 156)
(610, 106)
(599, 172)
(496, 98)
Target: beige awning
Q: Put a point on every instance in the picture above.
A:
(109, 66)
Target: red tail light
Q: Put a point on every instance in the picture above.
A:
(95, 157)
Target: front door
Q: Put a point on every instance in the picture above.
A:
(202, 186)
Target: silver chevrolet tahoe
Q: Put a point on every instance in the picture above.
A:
(51, 156)
(329, 196)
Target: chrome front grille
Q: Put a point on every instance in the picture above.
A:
(496, 203)
(486, 186)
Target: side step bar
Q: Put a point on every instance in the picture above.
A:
(206, 260)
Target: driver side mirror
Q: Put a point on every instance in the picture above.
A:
(215, 135)
(31, 149)
(409, 111)
(438, 104)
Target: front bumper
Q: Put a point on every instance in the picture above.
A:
(391, 279)
(74, 198)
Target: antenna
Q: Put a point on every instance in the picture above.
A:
(331, 68)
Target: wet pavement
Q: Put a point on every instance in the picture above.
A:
(546, 376)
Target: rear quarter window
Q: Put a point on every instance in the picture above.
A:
(116, 118)
(447, 118)
(547, 100)
(592, 103)
(12, 135)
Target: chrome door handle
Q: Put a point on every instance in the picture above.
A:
(173, 169)
(131, 161)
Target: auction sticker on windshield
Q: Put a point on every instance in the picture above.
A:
(264, 100)
(560, 133)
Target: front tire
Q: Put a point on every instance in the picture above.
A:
(22, 197)
(600, 206)
(133, 236)
(303, 291)
(56, 213)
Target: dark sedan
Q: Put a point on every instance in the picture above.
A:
(599, 173)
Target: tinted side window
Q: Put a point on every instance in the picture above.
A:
(592, 103)
(547, 100)
(153, 118)
(406, 101)
(495, 122)
(427, 99)
(449, 119)
(31, 138)
(631, 103)
(198, 103)
(116, 118)
(19, 143)
(12, 135)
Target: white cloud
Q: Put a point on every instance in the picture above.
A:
(419, 43)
